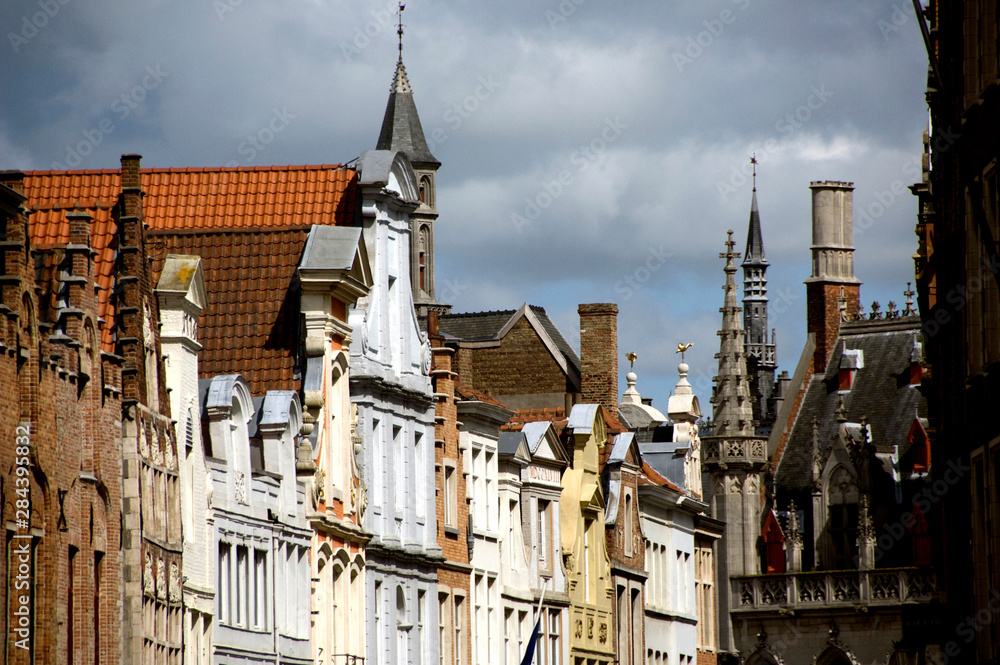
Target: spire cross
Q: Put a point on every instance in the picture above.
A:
(399, 29)
(753, 161)
(730, 243)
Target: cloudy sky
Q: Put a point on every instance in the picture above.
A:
(591, 151)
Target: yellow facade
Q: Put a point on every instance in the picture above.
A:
(588, 566)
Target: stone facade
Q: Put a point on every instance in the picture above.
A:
(390, 364)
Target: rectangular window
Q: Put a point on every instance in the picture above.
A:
(70, 610)
(225, 582)
(379, 627)
(586, 560)
(260, 589)
(544, 534)
(242, 585)
(419, 476)
(98, 570)
(444, 635)
(492, 602)
(450, 495)
(399, 472)
(492, 498)
(421, 617)
(458, 622)
(554, 649)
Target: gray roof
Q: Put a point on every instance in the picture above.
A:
(508, 443)
(881, 392)
(754, 254)
(330, 248)
(667, 458)
(482, 326)
(401, 128)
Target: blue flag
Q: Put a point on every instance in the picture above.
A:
(529, 652)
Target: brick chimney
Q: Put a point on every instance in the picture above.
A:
(832, 290)
(599, 354)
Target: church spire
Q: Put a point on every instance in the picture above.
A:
(401, 128)
(733, 412)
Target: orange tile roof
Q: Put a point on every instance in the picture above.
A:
(250, 325)
(555, 415)
(189, 198)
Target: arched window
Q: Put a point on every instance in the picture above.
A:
(627, 535)
(842, 526)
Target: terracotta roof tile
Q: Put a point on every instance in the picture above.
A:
(250, 325)
(556, 415)
(193, 198)
(470, 394)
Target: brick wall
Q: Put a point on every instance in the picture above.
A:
(58, 385)
(521, 365)
(823, 316)
(599, 354)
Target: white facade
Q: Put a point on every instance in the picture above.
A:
(530, 473)
(261, 533)
(389, 366)
(181, 295)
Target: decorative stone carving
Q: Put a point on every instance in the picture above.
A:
(174, 592)
(241, 487)
(161, 582)
(147, 575)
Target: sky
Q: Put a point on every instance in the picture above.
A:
(591, 151)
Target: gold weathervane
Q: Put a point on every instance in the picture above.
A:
(681, 348)
(631, 357)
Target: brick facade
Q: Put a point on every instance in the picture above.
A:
(519, 364)
(67, 406)
(452, 530)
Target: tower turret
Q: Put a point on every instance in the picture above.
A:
(735, 457)
(401, 130)
(760, 352)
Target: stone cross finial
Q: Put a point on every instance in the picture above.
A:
(399, 28)
(909, 293)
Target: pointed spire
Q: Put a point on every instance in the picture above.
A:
(754, 254)
(401, 128)
(733, 413)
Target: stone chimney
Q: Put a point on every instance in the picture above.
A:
(599, 354)
(832, 291)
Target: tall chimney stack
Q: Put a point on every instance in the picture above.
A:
(832, 290)
(599, 354)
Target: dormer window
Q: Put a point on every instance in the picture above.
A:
(850, 362)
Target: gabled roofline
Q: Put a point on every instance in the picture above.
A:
(525, 312)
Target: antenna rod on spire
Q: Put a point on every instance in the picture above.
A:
(753, 161)
(399, 30)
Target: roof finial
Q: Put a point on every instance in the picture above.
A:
(681, 348)
(631, 357)
(753, 161)
(399, 29)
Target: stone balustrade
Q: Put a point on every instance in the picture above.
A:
(886, 586)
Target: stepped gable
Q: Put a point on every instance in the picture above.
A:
(881, 392)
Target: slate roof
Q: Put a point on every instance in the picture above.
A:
(754, 254)
(881, 392)
(484, 326)
(401, 128)
(251, 322)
